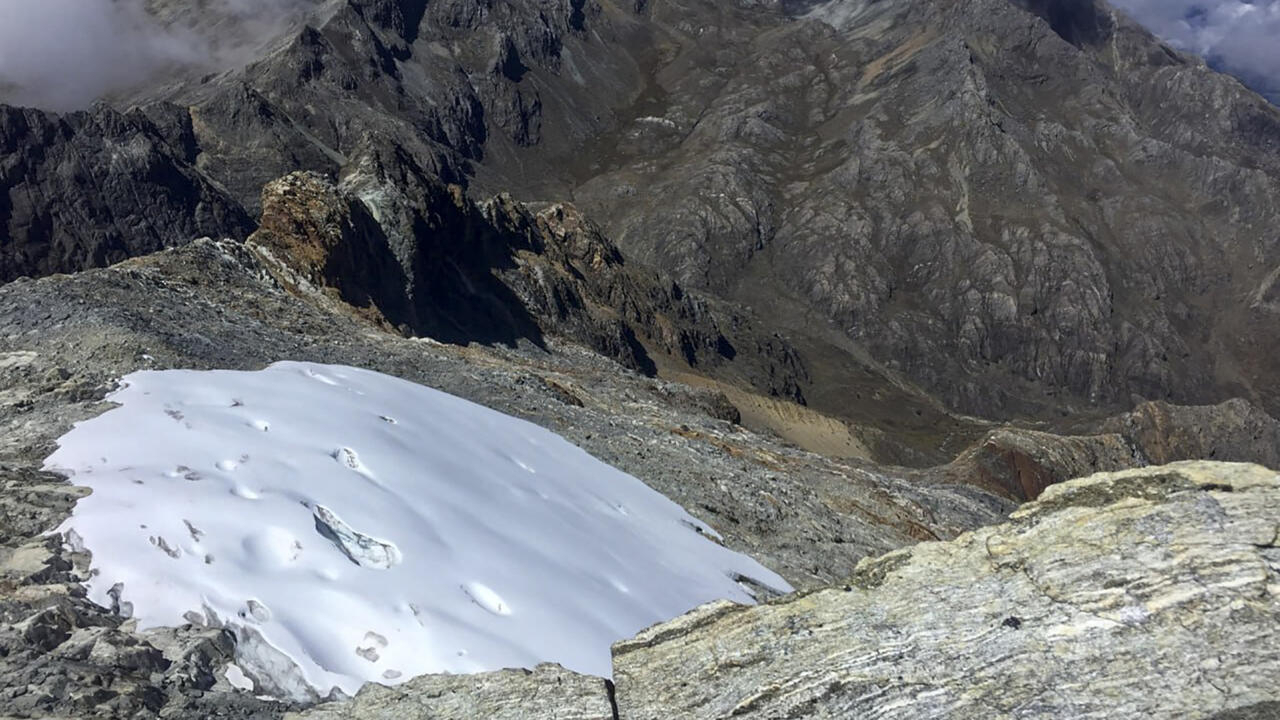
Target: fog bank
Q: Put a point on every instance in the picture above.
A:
(64, 54)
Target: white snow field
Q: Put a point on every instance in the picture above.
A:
(352, 527)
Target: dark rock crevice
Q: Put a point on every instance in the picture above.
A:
(1083, 23)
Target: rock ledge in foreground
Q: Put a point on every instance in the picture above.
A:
(1145, 593)
(549, 692)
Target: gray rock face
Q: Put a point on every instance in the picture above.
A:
(1021, 210)
(93, 188)
(1025, 207)
(1146, 593)
(548, 692)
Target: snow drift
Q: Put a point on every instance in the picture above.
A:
(354, 527)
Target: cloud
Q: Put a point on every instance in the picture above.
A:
(1241, 37)
(64, 54)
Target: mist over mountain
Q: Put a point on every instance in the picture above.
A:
(1241, 37)
(65, 54)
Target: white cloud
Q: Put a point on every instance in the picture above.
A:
(64, 54)
(1241, 37)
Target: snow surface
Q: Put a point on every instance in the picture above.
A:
(354, 527)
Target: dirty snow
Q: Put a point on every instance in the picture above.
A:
(354, 527)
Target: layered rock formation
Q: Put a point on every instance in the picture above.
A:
(1147, 593)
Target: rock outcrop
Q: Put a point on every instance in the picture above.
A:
(1022, 462)
(500, 272)
(547, 692)
(1145, 593)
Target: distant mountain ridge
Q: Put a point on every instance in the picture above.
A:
(1021, 209)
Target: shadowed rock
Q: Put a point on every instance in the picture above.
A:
(89, 189)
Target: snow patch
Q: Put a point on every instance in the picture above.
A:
(237, 678)
(374, 530)
(486, 598)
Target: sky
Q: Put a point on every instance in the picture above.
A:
(62, 54)
(1241, 37)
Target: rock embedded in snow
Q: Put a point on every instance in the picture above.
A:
(343, 548)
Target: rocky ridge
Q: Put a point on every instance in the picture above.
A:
(1048, 235)
(499, 272)
(1145, 593)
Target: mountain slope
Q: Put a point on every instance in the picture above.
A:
(1027, 209)
(1021, 217)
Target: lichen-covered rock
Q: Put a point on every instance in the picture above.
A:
(548, 692)
(1148, 593)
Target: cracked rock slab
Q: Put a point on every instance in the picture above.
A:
(1148, 593)
(548, 692)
